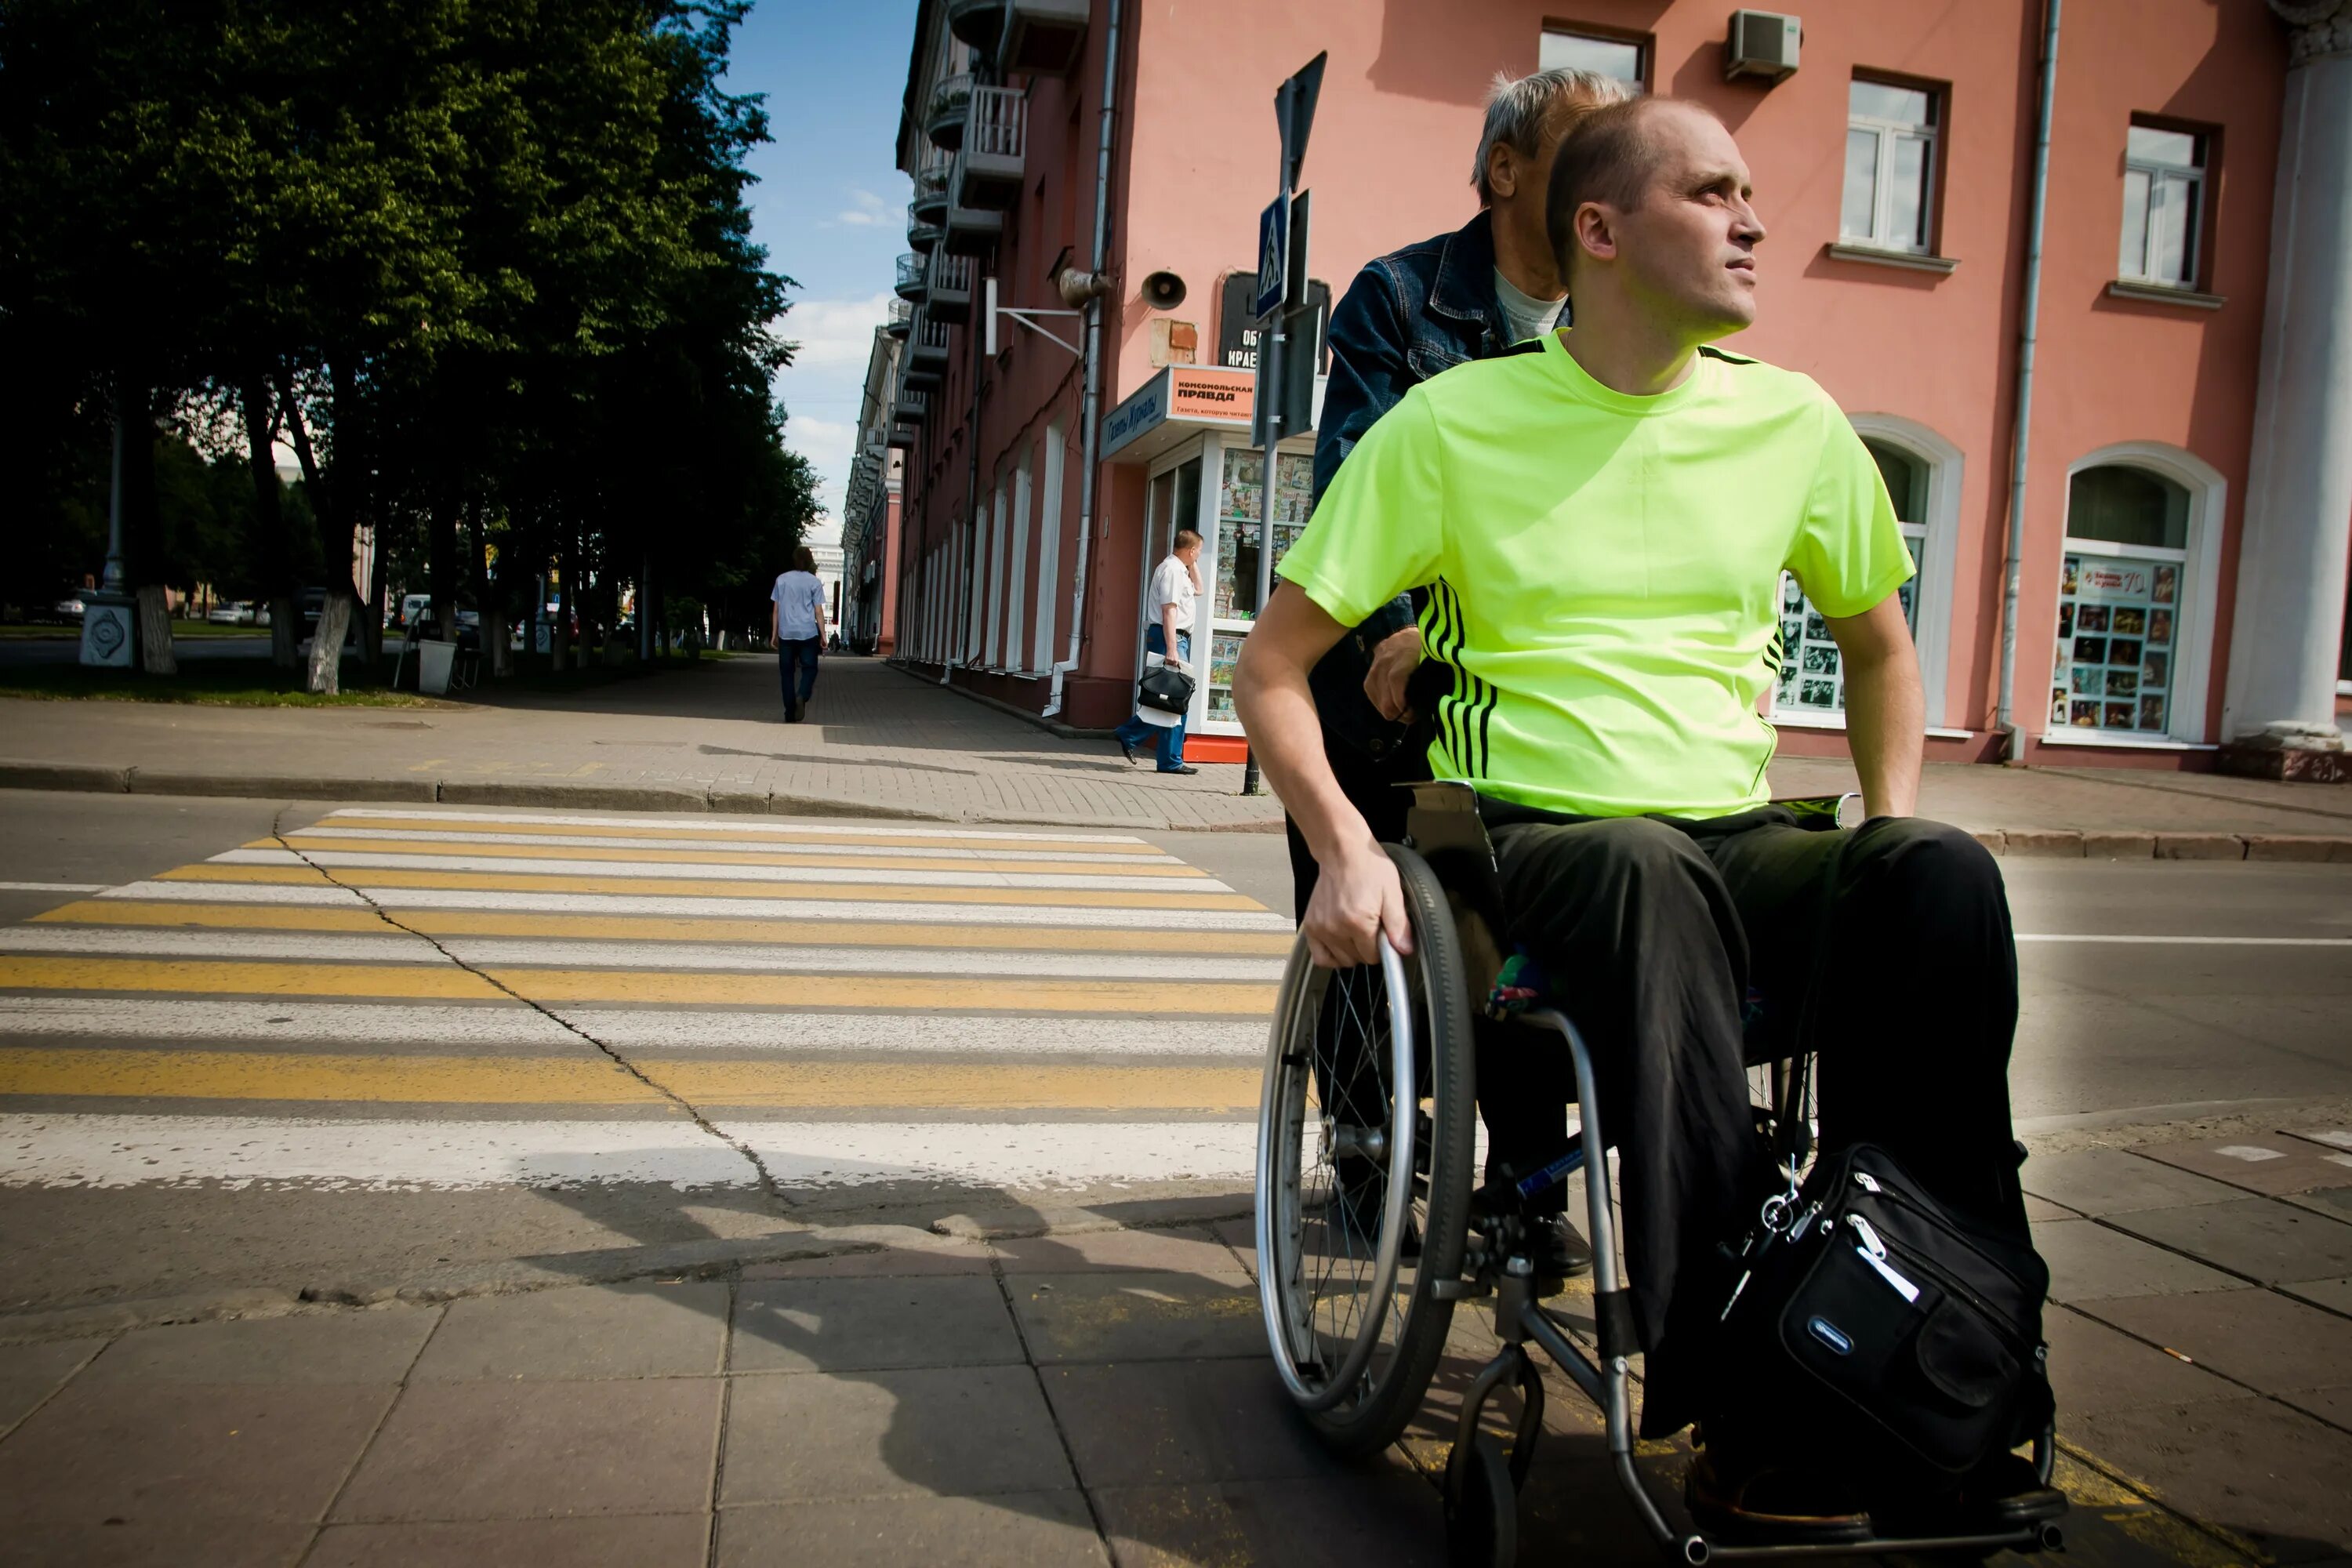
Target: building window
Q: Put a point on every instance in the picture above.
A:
(1601, 53)
(1813, 675)
(1890, 166)
(2121, 601)
(2163, 206)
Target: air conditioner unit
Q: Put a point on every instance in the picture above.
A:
(1761, 43)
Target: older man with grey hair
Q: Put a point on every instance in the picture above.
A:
(1410, 315)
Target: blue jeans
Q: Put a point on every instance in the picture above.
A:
(1171, 740)
(801, 651)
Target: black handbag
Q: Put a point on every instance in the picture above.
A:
(1165, 688)
(1878, 1322)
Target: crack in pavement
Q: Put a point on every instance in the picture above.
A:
(768, 1187)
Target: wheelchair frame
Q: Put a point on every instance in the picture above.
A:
(1446, 814)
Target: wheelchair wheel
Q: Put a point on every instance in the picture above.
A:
(1365, 1150)
(1785, 1098)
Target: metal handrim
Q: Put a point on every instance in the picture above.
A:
(1282, 1111)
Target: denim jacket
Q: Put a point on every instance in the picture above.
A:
(1409, 315)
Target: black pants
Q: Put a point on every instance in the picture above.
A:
(801, 652)
(1649, 934)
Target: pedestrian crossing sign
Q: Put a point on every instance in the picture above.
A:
(1272, 254)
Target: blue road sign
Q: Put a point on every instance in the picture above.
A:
(1273, 253)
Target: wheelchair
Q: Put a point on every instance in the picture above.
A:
(1371, 1230)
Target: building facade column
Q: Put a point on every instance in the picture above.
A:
(2279, 716)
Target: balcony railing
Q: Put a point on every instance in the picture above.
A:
(931, 185)
(928, 345)
(901, 317)
(951, 288)
(999, 121)
(943, 117)
(923, 231)
(914, 277)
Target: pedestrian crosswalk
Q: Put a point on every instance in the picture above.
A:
(426, 998)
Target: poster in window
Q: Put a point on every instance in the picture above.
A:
(2167, 584)
(2086, 715)
(2151, 712)
(1818, 694)
(2058, 705)
(2065, 622)
(2091, 618)
(2123, 650)
(2119, 716)
(1821, 660)
(2159, 625)
(2157, 670)
(2091, 650)
(2130, 620)
(2122, 683)
(2070, 582)
(2087, 678)
(1816, 628)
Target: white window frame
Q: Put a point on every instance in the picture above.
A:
(1947, 468)
(2193, 254)
(2200, 565)
(1883, 178)
(1049, 547)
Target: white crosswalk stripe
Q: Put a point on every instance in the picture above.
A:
(860, 1005)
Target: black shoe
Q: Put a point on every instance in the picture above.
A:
(1181, 768)
(1127, 749)
(2006, 1492)
(1562, 1254)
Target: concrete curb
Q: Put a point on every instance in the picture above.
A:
(2014, 843)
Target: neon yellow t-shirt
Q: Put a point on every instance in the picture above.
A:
(1605, 568)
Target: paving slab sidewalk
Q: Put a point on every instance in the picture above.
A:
(1089, 1397)
(883, 742)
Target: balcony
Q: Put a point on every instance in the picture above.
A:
(930, 187)
(912, 407)
(901, 317)
(950, 288)
(972, 231)
(1042, 36)
(979, 22)
(988, 170)
(913, 280)
(927, 349)
(943, 117)
(923, 233)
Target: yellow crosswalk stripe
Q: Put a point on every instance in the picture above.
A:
(697, 856)
(650, 929)
(910, 993)
(1076, 898)
(749, 834)
(591, 1081)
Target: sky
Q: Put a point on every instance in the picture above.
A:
(830, 204)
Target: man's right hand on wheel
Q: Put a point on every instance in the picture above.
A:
(1356, 898)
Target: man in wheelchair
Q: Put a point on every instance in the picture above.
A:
(1601, 518)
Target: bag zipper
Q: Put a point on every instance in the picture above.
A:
(1902, 1199)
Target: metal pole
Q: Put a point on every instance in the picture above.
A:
(1269, 386)
(114, 575)
(1090, 408)
(2029, 330)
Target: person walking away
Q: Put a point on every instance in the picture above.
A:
(796, 626)
(1175, 585)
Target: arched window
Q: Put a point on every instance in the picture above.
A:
(2133, 590)
(1922, 472)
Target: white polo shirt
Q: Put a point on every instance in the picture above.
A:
(1172, 583)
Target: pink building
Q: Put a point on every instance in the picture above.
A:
(2183, 514)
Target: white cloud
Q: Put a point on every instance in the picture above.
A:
(867, 211)
(832, 332)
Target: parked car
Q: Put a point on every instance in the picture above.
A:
(231, 613)
(69, 608)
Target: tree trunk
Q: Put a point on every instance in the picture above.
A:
(155, 656)
(270, 526)
(327, 647)
(334, 525)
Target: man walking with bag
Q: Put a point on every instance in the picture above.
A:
(1175, 585)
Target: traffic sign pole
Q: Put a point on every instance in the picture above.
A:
(1294, 114)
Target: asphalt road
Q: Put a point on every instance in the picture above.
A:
(232, 1071)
